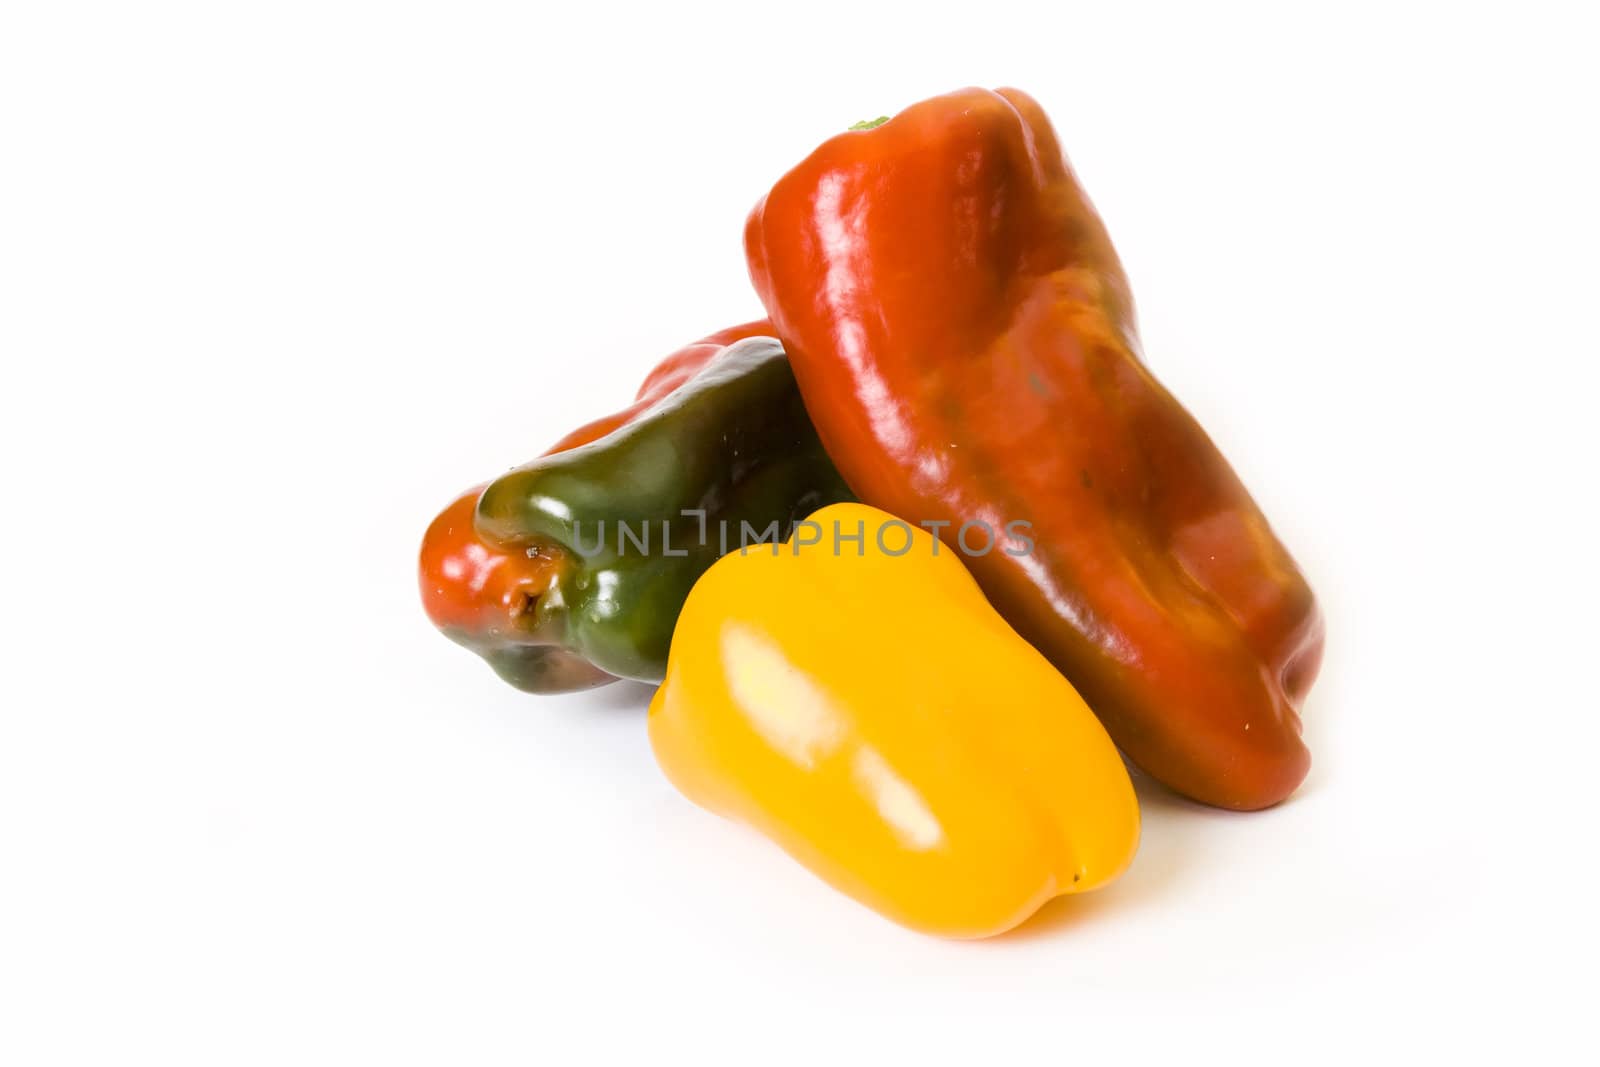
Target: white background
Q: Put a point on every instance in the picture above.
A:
(277, 280)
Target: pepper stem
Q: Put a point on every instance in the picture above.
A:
(871, 124)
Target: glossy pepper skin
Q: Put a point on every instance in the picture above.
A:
(574, 566)
(507, 605)
(964, 337)
(485, 596)
(859, 702)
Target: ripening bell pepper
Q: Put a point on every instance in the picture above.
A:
(568, 572)
(852, 695)
(964, 337)
(481, 596)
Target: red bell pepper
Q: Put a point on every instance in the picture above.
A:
(963, 336)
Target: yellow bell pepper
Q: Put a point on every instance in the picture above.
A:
(852, 695)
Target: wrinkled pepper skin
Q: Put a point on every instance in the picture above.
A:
(964, 337)
(874, 716)
(730, 446)
(511, 607)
